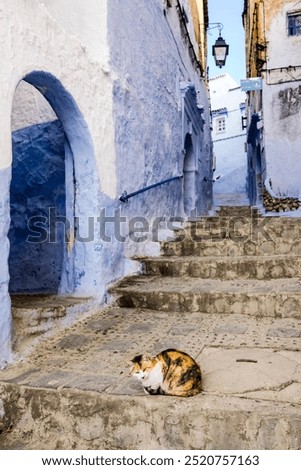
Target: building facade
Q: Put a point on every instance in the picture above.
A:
(96, 99)
(228, 135)
(273, 40)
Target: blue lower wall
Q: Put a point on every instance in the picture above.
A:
(38, 184)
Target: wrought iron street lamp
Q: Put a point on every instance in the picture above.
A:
(220, 49)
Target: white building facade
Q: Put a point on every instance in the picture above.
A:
(96, 99)
(228, 135)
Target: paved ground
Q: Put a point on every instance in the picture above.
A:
(239, 355)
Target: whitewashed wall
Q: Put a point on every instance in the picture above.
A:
(85, 21)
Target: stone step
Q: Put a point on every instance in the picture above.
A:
(79, 420)
(237, 210)
(37, 314)
(225, 268)
(273, 298)
(274, 221)
(241, 229)
(227, 247)
(75, 390)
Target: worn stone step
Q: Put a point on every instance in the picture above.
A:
(75, 390)
(237, 210)
(74, 419)
(227, 247)
(35, 315)
(273, 298)
(241, 229)
(225, 268)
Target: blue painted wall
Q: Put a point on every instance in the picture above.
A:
(150, 61)
(38, 184)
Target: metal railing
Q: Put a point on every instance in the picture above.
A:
(125, 196)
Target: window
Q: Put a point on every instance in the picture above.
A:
(294, 24)
(220, 125)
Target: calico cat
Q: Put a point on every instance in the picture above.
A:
(171, 372)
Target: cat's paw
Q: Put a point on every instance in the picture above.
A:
(151, 391)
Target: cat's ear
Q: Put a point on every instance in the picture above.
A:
(137, 359)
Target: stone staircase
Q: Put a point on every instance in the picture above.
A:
(236, 262)
(227, 290)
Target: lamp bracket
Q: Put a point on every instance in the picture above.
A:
(218, 26)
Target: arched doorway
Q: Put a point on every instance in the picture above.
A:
(54, 190)
(189, 189)
(37, 195)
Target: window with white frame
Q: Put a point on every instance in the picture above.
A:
(220, 125)
(294, 24)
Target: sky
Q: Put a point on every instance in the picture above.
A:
(227, 12)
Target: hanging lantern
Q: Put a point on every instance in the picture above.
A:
(220, 50)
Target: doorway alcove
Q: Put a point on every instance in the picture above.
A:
(37, 196)
(54, 186)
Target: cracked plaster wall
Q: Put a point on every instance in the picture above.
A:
(282, 101)
(283, 137)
